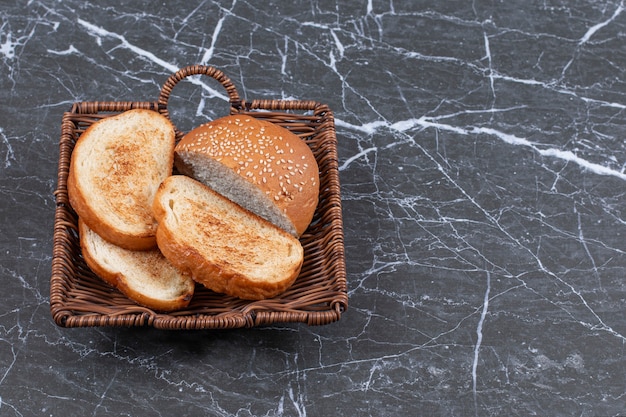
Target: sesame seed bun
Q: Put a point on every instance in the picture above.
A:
(259, 165)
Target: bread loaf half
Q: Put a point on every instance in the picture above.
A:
(145, 277)
(257, 164)
(221, 245)
(115, 170)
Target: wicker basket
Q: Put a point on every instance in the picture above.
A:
(78, 298)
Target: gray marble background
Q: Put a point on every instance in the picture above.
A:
(483, 168)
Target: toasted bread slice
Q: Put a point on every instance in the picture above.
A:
(223, 246)
(145, 277)
(115, 170)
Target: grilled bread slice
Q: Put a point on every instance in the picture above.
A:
(221, 245)
(145, 277)
(115, 170)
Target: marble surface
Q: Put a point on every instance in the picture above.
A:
(483, 168)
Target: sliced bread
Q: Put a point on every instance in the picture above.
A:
(221, 245)
(115, 170)
(145, 277)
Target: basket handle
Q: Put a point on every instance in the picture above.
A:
(166, 90)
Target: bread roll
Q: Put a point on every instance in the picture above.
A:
(261, 166)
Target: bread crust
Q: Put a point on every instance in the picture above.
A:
(115, 169)
(217, 251)
(265, 154)
(150, 263)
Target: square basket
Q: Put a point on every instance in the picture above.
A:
(78, 298)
